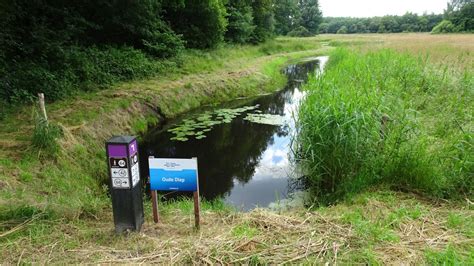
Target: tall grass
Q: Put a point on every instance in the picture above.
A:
(45, 136)
(387, 117)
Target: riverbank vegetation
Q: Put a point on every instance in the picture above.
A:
(388, 118)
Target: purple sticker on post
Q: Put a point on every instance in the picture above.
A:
(133, 148)
(117, 150)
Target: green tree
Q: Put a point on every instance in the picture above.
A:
(201, 22)
(263, 19)
(300, 32)
(240, 19)
(464, 18)
(342, 30)
(444, 26)
(311, 16)
(324, 27)
(287, 14)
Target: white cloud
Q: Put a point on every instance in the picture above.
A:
(371, 8)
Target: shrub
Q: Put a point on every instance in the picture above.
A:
(444, 26)
(300, 32)
(77, 69)
(342, 30)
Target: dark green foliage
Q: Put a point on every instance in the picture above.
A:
(201, 22)
(62, 47)
(287, 15)
(458, 17)
(263, 19)
(78, 69)
(311, 16)
(464, 18)
(300, 32)
(386, 24)
(40, 28)
(297, 17)
(240, 19)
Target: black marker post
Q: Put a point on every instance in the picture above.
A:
(125, 186)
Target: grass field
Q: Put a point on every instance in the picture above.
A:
(55, 209)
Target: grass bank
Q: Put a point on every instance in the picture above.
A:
(388, 117)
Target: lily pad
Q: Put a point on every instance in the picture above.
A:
(203, 123)
(267, 119)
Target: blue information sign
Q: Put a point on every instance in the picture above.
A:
(173, 174)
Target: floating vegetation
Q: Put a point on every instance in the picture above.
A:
(205, 122)
(267, 119)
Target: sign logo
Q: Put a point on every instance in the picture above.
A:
(119, 172)
(173, 174)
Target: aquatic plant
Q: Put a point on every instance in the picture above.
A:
(267, 119)
(203, 123)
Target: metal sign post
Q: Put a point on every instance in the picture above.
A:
(125, 188)
(174, 175)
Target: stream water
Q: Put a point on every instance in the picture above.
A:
(246, 163)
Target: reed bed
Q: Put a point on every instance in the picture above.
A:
(387, 117)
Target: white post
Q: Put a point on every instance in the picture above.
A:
(42, 106)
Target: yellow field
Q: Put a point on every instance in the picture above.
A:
(455, 49)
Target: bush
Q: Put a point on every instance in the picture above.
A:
(342, 30)
(369, 120)
(444, 26)
(300, 32)
(77, 69)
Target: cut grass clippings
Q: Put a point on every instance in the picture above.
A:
(374, 227)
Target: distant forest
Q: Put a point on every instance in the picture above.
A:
(388, 24)
(458, 17)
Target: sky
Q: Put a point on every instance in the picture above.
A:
(372, 8)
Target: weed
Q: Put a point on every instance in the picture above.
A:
(449, 256)
(45, 136)
(244, 230)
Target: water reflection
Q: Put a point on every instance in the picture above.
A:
(247, 164)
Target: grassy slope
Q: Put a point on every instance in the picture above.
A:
(65, 217)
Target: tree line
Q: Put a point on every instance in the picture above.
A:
(62, 47)
(387, 24)
(457, 17)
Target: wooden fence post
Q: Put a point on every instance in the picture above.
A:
(42, 106)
